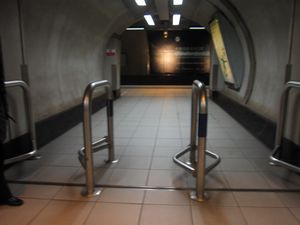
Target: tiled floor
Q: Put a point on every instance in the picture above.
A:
(151, 125)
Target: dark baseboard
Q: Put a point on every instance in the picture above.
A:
(52, 127)
(289, 152)
(260, 127)
(164, 79)
(18, 146)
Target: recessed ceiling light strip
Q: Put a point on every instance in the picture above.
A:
(176, 19)
(177, 2)
(149, 20)
(140, 2)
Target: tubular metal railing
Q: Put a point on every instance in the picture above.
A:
(85, 154)
(29, 120)
(280, 127)
(197, 166)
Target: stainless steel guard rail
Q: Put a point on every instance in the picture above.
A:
(85, 154)
(198, 167)
(280, 127)
(29, 120)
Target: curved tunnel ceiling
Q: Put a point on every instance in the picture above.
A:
(197, 11)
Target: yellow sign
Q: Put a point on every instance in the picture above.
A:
(221, 51)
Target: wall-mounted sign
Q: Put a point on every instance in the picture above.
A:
(110, 52)
(221, 51)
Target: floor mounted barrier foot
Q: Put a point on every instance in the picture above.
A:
(198, 153)
(274, 161)
(85, 154)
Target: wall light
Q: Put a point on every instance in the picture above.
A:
(197, 28)
(149, 20)
(165, 34)
(135, 28)
(176, 19)
(177, 2)
(140, 2)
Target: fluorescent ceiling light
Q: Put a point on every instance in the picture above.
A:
(197, 28)
(149, 20)
(135, 28)
(176, 19)
(177, 2)
(140, 2)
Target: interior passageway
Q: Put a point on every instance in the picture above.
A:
(151, 125)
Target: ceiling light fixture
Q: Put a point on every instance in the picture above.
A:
(135, 28)
(140, 2)
(176, 19)
(177, 2)
(197, 28)
(149, 20)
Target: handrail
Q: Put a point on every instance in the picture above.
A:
(199, 105)
(87, 151)
(29, 120)
(280, 126)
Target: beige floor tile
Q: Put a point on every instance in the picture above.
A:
(167, 178)
(246, 180)
(54, 174)
(269, 216)
(114, 214)
(134, 162)
(167, 197)
(228, 152)
(164, 163)
(21, 215)
(128, 177)
(123, 195)
(240, 164)
(168, 142)
(296, 212)
(217, 143)
(284, 180)
(35, 191)
(150, 142)
(216, 215)
(144, 151)
(166, 151)
(258, 199)
(166, 215)
(63, 213)
(291, 199)
(101, 176)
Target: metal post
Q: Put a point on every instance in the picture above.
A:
(200, 100)
(111, 151)
(29, 120)
(198, 167)
(87, 150)
(193, 126)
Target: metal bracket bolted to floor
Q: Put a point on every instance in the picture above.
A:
(85, 154)
(280, 128)
(29, 120)
(198, 166)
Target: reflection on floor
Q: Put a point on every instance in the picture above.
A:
(151, 125)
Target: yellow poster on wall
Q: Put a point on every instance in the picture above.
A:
(221, 51)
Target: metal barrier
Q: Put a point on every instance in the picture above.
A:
(197, 166)
(29, 120)
(85, 154)
(280, 127)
